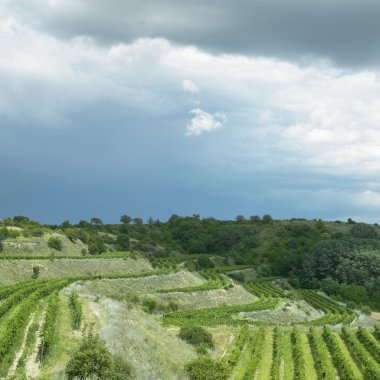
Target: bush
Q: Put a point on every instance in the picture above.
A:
(93, 249)
(366, 310)
(364, 231)
(55, 243)
(196, 336)
(149, 305)
(205, 263)
(91, 359)
(205, 368)
(36, 272)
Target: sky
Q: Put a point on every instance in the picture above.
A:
(217, 108)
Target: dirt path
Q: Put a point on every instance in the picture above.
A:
(12, 369)
(32, 364)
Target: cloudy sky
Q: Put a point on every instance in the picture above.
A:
(208, 107)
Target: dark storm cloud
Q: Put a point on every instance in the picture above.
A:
(346, 32)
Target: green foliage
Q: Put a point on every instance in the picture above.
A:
(48, 333)
(206, 368)
(298, 358)
(122, 242)
(125, 219)
(263, 288)
(36, 271)
(258, 347)
(342, 362)
(219, 315)
(370, 342)
(196, 336)
(354, 264)
(321, 356)
(232, 357)
(149, 305)
(13, 326)
(92, 358)
(363, 231)
(76, 310)
(370, 367)
(278, 347)
(55, 243)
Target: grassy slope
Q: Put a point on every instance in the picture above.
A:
(12, 271)
(155, 352)
(38, 245)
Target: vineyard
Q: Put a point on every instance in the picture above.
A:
(39, 315)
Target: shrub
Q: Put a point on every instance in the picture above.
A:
(196, 336)
(55, 243)
(91, 359)
(206, 368)
(149, 305)
(93, 249)
(36, 272)
(366, 310)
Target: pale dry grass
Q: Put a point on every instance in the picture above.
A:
(154, 352)
(12, 271)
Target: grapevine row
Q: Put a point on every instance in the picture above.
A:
(298, 359)
(278, 348)
(216, 315)
(233, 356)
(341, 361)
(76, 310)
(256, 355)
(13, 327)
(321, 356)
(48, 331)
(369, 366)
(370, 342)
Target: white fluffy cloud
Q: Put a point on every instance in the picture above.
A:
(204, 122)
(190, 86)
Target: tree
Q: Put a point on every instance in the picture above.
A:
(66, 224)
(240, 219)
(255, 219)
(267, 219)
(125, 219)
(138, 221)
(122, 242)
(96, 221)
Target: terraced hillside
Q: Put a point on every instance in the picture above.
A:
(260, 330)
